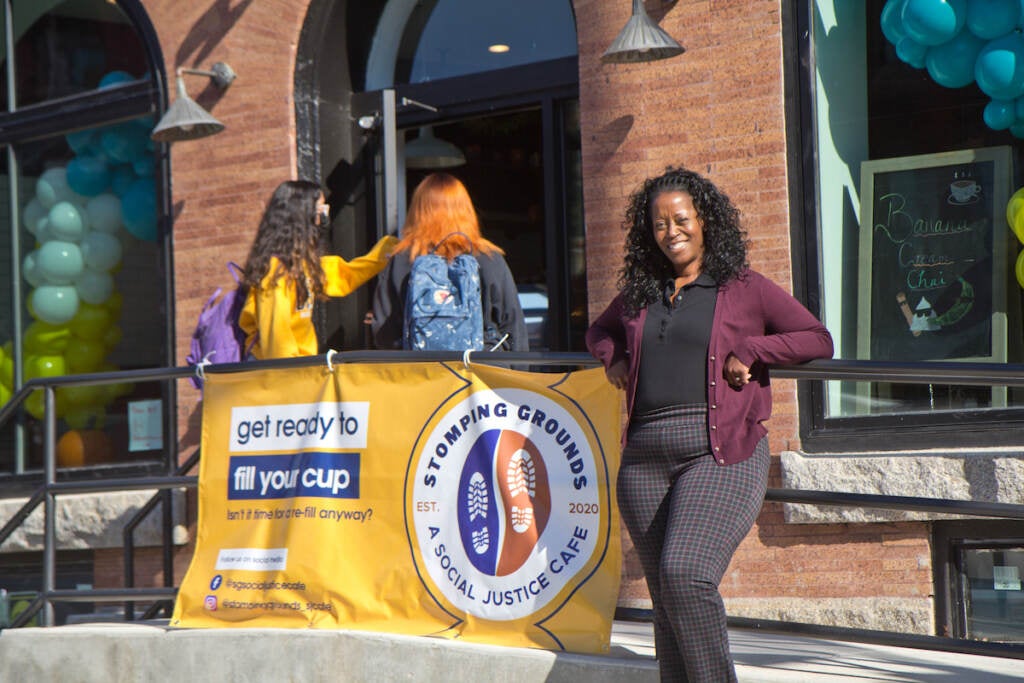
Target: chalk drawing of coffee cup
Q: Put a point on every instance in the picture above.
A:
(963, 190)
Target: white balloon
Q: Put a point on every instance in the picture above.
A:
(104, 211)
(94, 286)
(101, 251)
(32, 214)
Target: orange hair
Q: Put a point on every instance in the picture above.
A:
(440, 206)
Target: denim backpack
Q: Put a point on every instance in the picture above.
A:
(442, 306)
(217, 337)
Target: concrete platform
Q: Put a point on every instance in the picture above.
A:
(152, 653)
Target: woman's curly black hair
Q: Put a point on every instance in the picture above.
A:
(646, 269)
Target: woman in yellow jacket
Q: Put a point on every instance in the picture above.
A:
(286, 272)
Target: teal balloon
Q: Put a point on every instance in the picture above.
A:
(952, 64)
(892, 21)
(999, 69)
(101, 250)
(124, 142)
(104, 213)
(1017, 129)
(82, 141)
(115, 77)
(54, 304)
(121, 178)
(60, 263)
(990, 19)
(138, 209)
(88, 176)
(933, 22)
(912, 52)
(66, 222)
(94, 286)
(144, 167)
(1000, 114)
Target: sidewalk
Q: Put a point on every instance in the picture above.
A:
(152, 653)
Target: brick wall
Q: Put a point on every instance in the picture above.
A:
(719, 109)
(220, 184)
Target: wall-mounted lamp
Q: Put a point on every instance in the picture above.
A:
(186, 120)
(427, 151)
(641, 40)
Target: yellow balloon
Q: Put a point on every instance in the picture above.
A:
(5, 395)
(35, 405)
(45, 366)
(81, 397)
(84, 355)
(1017, 224)
(112, 337)
(7, 371)
(91, 321)
(1020, 269)
(114, 304)
(1014, 204)
(43, 338)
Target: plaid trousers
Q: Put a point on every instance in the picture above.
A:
(686, 516)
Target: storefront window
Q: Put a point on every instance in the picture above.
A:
(915, 164)
(85, 288)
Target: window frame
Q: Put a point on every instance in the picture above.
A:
(871, 433)
(60, 116)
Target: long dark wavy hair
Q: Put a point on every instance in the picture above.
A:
(646, 269)
(290, 230)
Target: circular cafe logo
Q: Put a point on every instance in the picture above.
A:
(505, 502)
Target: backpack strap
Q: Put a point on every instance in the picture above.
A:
(441, 241)
(236, 271)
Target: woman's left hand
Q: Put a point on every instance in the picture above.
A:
(736, 373)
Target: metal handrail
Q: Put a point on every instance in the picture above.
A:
(977, 374)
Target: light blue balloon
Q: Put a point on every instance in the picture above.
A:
(88, 176)
(124, 142)
(30, 269)
(66, 222)
(31, 214)
(990, 19)
(101, 250)
(104, 213)
(911, 52)
(115, 77)
(933, 22)
(1017, 129)
(60, 263)
(892, 21)
(94, 287)
(952, 64)
(138, 209)
(52, 187)
(1000, 114)
(54, 304)
(999, 69)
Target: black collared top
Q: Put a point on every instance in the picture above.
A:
(673, 356)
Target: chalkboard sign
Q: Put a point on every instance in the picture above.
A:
(934, 256)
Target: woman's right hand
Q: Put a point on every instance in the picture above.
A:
(617, 373)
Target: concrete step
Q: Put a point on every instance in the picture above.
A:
(150, 652)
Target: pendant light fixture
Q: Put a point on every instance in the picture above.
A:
(186, 120)
(641, 40)
(427, 151)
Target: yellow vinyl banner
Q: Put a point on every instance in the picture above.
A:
(414, 498)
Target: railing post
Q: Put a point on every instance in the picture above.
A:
(49, 503)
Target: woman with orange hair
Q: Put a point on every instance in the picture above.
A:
(441, 220)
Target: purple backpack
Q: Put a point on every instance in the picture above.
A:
(218, 337)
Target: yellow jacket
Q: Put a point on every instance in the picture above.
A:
(279, 327)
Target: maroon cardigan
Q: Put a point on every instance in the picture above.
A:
(755, 320)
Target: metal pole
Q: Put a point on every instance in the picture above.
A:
(49, 504)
